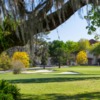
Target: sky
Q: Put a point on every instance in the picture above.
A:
(73, 29)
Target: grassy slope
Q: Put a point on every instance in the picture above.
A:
(84, 86)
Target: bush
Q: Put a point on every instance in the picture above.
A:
(23, 57)
(5, 61)
(17, 66)
(82, 57)
(4, 96)
(8, 91)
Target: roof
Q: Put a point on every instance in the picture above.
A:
(92, 41)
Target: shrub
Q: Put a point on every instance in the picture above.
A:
(82, 57)
(8, 91)
(5, 61)
(23, 57)
(4, 96)
(17, 66)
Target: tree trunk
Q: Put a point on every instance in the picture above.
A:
(59, 65)
(43, 66)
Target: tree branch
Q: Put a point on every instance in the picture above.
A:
(66, 11)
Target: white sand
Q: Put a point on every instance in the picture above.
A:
(47, 71)
(68, 73)
(38, 71)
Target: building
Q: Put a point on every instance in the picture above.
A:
(92, 59)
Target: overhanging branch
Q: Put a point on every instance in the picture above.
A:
(66, 11)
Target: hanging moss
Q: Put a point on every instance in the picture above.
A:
(35, 16)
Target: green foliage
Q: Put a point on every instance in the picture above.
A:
(5, 61)
(8, 26)
(2, 39)
(55, 45)
(95, 49)
(62, 52)
(8, 91)
(83, 44)
(57, 51)
(71, 48)
(81, 57)
(4, 96)
(22, 57)
(94, 21)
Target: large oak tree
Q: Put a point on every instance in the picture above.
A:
(35, 16)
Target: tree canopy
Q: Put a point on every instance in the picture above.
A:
(84, 44)
(94, 23)
(35, 16)
(95, 49)
(57, 52)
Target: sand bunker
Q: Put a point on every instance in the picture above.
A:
(47, 71)
(38, 71)
(68, 73)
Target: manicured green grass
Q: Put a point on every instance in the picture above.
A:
(55, 86)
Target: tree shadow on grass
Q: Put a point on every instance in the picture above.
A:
(85, 96)
(54, 79)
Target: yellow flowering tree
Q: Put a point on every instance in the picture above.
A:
(81, 57)
(21, 56)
